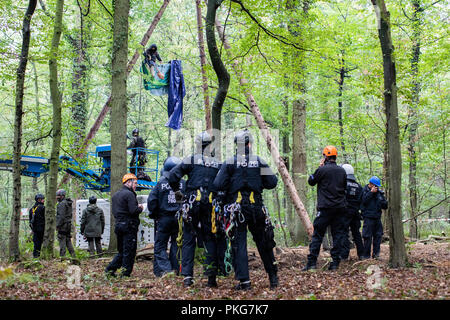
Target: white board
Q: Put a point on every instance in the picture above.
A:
(145, 232)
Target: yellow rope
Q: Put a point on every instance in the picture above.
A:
(180, 238)
(213, 220)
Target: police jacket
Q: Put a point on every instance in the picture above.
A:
(64, 216)
(201, 171)
(353, 194)
(37, 217)
(372, 203)
(331, 181)
(92, 221)
(125, 207)
(161, 200)
(245, 173)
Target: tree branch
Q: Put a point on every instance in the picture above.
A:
(280, 38)
(425, 211)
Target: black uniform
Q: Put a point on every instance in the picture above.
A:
(352, 218)
(372, 233)
(37, 225)
(201, 171)
(137, 142)
(126, 214)
(331, 183)
(64, 226)
(247, 175)
(162, 206)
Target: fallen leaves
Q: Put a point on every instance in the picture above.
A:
(348, 282)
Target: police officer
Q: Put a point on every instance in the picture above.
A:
(373, 201)
(64, 223)
(126, 210)
(162, 206)
(37, 223)
(331, 181)
(137, 142)
(201, 169)
(352, 217)
(243, 178)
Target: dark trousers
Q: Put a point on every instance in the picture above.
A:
(98, 244)
(200, 227)
(38, 238)
(126, 247)
(166, 228)
(372, 235)
(327, 217)
(254, 219)
(351, 220)
(65, 241)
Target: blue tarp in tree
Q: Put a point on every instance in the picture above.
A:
(172, 85)
(177, 92)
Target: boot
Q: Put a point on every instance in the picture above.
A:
(188, 281)
(273, 279)
(310, 265)
(243, 285)
(333, 266)
(212, 283)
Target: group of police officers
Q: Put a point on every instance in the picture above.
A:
(218, 202)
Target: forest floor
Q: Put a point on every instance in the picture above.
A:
(427, 277)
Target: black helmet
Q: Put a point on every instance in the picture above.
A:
(203, 139)
(92, 199)
(243, 137)
(61, 192)
(170, 163)
(135, 131)
(38, 197)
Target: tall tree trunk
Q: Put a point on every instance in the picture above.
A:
(298, 121)
(298, 204)
(79, 103)
(299, 159)
(397, 250)
(342, 75)
(201, 48)
(412, 115)
(56, 97)
(107, 106)
(290, 217)
(216, 60)
(14, 252)
(119, 102)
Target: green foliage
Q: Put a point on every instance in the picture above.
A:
(329, 32)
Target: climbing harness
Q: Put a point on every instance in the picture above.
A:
(268, 230)
(183, 215)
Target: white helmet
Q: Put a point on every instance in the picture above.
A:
(348, 169)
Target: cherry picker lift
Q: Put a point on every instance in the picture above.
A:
(94, 178)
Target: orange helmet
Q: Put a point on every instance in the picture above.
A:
(329, 151)
(127, 177)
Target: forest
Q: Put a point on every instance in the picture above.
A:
(368, 77)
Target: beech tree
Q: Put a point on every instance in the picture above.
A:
(397, 248)
(119, 102)
(14, 253)
(56, 98)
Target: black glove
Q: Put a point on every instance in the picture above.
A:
(179, 196)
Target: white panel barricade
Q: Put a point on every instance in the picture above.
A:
(145, 232)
